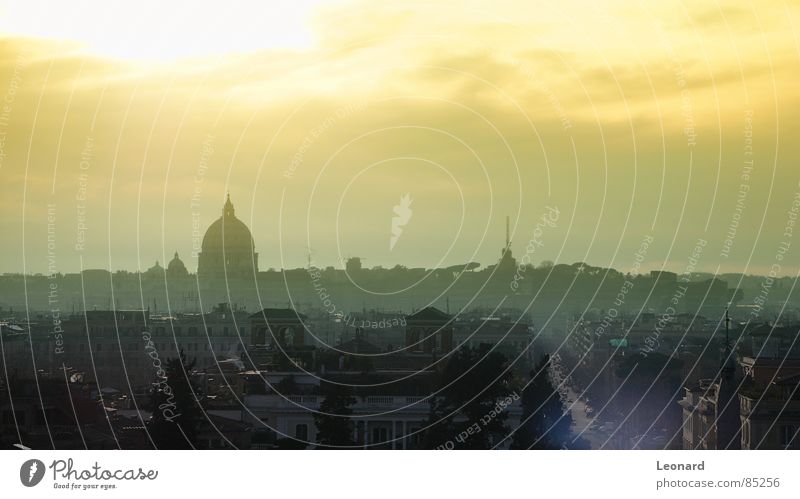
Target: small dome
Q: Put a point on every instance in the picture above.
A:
(176, 266)
(155, 268)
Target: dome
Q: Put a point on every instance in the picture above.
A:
(155, 269)
(235, 233)
(228, 249)
(176, 266)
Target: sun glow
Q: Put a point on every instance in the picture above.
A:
(163, 31)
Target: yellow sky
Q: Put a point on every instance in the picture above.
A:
(318, 116)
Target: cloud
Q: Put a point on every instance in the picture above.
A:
(567, 103)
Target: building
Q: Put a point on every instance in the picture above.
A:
(710, 416)
(278, 340)
(429, 331)
(228, 250)
(710, 413)
(770, 394)
(380, 421)
(759, 410)
(390, 410)
(176, 268)
(47, 413)
(770, 411)
(120, 348)
(507, 330)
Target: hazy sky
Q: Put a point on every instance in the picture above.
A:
(634, 119)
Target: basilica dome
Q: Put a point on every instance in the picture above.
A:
(228, 248)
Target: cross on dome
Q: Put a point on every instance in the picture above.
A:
(227, 210)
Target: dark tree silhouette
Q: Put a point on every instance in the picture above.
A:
(176, 412)
(334, 426)
(470, 410)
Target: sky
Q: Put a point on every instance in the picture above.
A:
(123, 125)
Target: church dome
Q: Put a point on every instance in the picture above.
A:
(228, 231)
(228, 248)
(176, 267)
(155, 269)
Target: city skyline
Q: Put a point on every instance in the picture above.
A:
(528, 252)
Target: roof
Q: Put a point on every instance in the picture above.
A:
(775, 331)
(221, 423)
(278, 313)
(429, 314)
(358, 345)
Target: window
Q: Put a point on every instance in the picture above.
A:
(301, 432)
(380, 435)
(225, 331)
(413, 340)
(192, 331)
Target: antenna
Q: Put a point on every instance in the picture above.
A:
(727, 325)
(508, 241)
(309, 252)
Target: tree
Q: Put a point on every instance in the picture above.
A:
(475, 390)
(176, 411)
(334, 426)
(545, 424)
